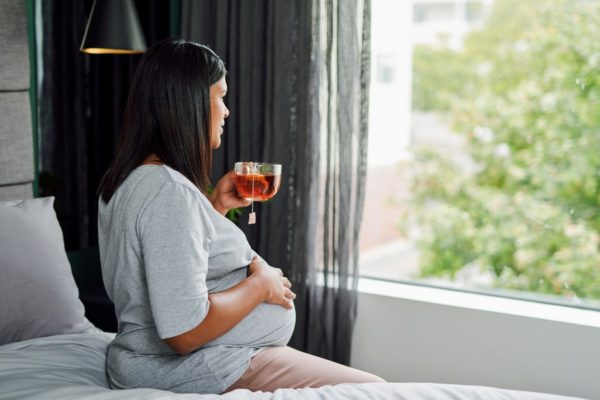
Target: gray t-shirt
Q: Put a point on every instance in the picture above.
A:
(163, 249)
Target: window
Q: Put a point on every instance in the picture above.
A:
(433, 11)
(484, 154)
(386, 69)
(473, 10)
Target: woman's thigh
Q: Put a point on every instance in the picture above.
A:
(285, 367)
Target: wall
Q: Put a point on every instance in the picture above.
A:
(408, 340)
(16, 142)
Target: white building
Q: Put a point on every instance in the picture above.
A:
(446, 22)
(397, 25)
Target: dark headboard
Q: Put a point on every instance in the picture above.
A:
(16, 143)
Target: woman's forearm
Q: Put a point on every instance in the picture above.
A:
(218, 205)
(226, 310)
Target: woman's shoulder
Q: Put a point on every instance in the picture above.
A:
(169, 196)
(147, 179)
(166, 183)
(177, 178)
(152, 187)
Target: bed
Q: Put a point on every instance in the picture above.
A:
(50, 350)
(71, 366)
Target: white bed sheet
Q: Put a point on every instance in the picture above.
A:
(69, 367)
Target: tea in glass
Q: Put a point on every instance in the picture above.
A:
(257, 181)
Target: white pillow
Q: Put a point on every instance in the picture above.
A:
(38, 295)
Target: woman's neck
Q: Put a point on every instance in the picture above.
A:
(152, 159)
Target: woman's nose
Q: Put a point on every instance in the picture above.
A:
(226, 112)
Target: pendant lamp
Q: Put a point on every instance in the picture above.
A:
(113, 28)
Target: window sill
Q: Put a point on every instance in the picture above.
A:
(465, 300)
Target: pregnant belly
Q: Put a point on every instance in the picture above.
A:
(267, 325)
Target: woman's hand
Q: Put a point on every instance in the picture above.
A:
(224, 197)
(264, 284)
(275, 285)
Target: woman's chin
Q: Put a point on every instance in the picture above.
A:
(216, 144)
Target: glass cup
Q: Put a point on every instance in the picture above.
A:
(257, 181)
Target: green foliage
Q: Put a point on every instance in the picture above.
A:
(525, 92)
(233, 214)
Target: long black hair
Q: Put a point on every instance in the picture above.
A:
(168, 113)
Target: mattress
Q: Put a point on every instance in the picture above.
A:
(73, 367)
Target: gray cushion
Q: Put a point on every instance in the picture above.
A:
(14, 53)
(38, 295)
(16, 143)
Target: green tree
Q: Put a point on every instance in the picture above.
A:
(525, 92)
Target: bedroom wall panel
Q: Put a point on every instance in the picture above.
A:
(14, 67)
(16, 142)
(15, 192)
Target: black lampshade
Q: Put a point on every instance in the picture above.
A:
(113, 28)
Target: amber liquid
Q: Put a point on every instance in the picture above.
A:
(257, 187)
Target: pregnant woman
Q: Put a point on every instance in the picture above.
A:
(198, 310)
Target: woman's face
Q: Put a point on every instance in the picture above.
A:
(218, 112)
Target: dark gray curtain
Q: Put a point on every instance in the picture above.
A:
(81, 103)
(298, 94)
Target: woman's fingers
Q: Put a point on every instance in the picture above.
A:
(288, 294)
(288, 299)
(274, 279)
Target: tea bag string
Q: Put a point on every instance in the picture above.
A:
(252, 216)
(252, 198)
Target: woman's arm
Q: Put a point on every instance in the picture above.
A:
(264, 284)
(224, 196)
